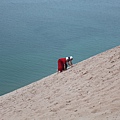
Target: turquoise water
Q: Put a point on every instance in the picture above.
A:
(33, 35)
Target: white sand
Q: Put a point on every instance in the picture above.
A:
(88, 91)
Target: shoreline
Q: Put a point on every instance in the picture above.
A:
(89, 90)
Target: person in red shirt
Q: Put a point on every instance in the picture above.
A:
(62, 63)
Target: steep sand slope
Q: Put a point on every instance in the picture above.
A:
(88, 91)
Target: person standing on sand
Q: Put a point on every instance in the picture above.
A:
(64, 62)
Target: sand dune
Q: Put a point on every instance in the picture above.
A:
(90, 90)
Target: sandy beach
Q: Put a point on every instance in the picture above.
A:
(90, 90)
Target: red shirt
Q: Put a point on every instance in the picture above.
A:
(61, 63)
(63, 60)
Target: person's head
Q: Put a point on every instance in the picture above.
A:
(67, 59)
(71, 58)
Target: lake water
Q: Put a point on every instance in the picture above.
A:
(33, 35)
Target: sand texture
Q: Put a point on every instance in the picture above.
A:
(90, 90)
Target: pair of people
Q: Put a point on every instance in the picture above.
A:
(63, 63)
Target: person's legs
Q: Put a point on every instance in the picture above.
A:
(66, 66)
